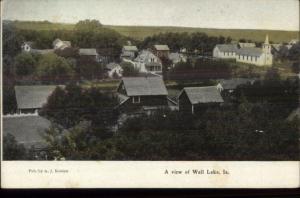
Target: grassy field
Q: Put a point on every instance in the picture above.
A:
(140, 32)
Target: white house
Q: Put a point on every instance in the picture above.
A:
(176, 58)
(27, 46)
(146, 61)
(129, 51)
(114, 69)
(256, 56)
(225, 51)
(59, 44)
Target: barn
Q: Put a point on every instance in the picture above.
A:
(192, 99)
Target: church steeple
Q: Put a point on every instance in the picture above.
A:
(267, 39)
(267, 46)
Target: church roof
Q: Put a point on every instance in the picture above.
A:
(227, 47)
(250, 51)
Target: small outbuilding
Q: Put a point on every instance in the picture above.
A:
(191, 99)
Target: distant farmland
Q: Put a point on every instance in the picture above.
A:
(140, 32)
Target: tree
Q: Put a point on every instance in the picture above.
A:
(294, 52)
(87, 25)
(129, 69)
(25, 64)
(73, 104)
(12, 150)
(51, 66)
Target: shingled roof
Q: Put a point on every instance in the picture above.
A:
(227, 47)
(234, 82)
(33, 97)
(87, 52)
(130, 48)
(162, 47)
(26, 129)
(198, 95)
(250, 51)
(144, 86)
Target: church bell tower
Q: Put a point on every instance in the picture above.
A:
(266, 46)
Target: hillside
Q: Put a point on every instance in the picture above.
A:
(140, 32)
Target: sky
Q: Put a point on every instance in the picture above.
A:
(228, 14)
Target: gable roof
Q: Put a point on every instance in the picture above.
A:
(250, 51)
(198, 95)
(234, 82)
(26, 129)
(33, 97)
(87, 52)
(130, 48)
(112, 66)
(162, 47)
(242, 45)
(144, 86)
(227, 47)
(145, 56)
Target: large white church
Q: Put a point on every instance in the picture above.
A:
(251, 55)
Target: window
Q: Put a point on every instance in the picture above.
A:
(256, 59)
(136, 99)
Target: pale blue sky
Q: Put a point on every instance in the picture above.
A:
(240, 14)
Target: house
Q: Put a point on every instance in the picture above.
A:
(161, 50)
(228, 86)
(129, 51)
(191, 99)
(225, 51)
(89, 53)
(293, 41)
(176, 58)
(27, 46)
(114, 69)
(242, 45)
(32, 98)
(59, 44)
(142, 92)
(27, 129)
(146, 61)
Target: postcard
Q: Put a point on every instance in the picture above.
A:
(150, 94)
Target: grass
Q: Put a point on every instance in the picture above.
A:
(140, 32)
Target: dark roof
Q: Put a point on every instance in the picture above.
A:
(162, 47)
(144, 86)
(234, 82)
(250, 51)
(208, 94)
(32, 97)
(26, 129)
(227, 47)
(87, 52)
(130, 48)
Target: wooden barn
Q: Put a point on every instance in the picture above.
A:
(191, 99)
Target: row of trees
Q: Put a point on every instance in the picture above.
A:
(190, 41)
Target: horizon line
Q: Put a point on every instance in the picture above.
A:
(161, 26)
